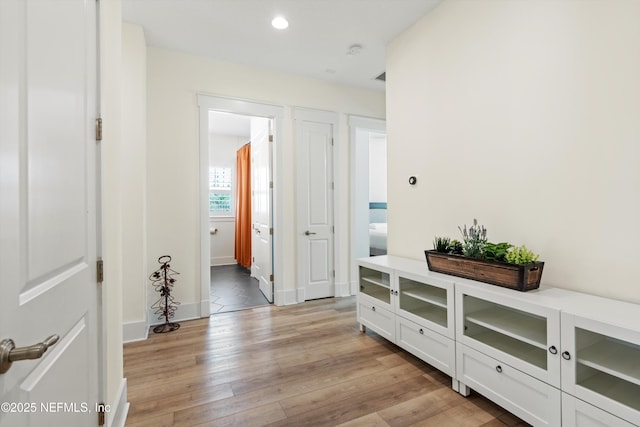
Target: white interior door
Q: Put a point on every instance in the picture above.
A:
(261, 247)
(48, 212)
(315, 208)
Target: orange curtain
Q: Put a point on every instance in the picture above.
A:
(243, 206)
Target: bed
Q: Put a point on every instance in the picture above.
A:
(377, 228)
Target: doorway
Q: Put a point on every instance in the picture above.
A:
(235, 198)
(217, 228)
(368, 186)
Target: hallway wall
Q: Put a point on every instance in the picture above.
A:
(173, 81)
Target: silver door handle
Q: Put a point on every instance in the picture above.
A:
(9, 353)
(308, 233)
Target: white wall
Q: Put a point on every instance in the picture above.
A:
(173, 80)
(132, 170)
(377, 168)
(112, 149)
(523, 115)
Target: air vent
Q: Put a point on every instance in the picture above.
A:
(382, 77)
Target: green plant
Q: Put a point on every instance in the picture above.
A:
(441, 244)
(455, 246)
(497, 251)
(521, 255)
(475, 239)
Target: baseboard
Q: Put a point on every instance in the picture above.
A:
(342, 289)
(354, 287)
(135, 331)
(119, 408)
(183, 312)
(222, 260)
(285, 297)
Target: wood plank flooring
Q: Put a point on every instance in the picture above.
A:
(301, 365)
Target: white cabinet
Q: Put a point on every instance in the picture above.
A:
(577, 413)
(550, 356)
(508, 348)
(374, 306)
(411, 307)
(532, 400)
(601, 355)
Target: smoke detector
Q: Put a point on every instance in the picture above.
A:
(354, 49)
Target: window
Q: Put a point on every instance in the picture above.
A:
(220, 190)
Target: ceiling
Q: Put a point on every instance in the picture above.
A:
(316, 44)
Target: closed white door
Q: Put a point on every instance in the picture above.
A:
(315, 208)
(48, 213)
(261, 247)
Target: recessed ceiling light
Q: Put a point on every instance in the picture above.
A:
(280, 23)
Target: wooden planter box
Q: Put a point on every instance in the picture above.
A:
(520, 277)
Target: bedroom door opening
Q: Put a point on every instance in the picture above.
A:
(240, 211)
(368, 189)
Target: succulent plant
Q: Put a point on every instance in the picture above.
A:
(521, 255)
(455, 246)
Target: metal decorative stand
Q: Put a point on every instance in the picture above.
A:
(166, 306)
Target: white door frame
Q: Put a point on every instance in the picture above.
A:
(359, 127)
(208, 103)
(328, 117)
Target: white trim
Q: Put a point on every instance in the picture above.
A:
(342, 289)
(135, 331)
(357, 124)
(183, 313)
(287, 297)
(222, 260)
(332, 118)
(208, 103)
(117, 415)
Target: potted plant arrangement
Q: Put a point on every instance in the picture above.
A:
(476, 258)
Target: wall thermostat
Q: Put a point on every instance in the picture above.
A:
(413, 180)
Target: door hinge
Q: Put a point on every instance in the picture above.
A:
(270, 138)
(333, 274)
(270, 184)
(333, 186)
(101, 413)
(333, 229)
(271, 278)
(99, 129)
(99, 270)
(271, 231)
(331, 141)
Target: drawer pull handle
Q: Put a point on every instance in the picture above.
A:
(553, 349)
(373, 309)
(499, 369)
(566, 355)
(421, 331)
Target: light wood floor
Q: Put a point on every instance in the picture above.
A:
(302, 365)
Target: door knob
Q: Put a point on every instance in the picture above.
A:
(9, 353)
(308, 233)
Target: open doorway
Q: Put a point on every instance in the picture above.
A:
(272, 271)
(239, 201)
(369, 190)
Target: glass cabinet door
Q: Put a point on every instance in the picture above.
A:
(376, 284)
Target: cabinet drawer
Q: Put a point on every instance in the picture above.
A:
(433, 348)
(377, 318)
(528, 398)
(576, 413)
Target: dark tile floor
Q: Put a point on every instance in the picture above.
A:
(232, 289)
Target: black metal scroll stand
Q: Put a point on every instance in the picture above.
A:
(166, 306)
